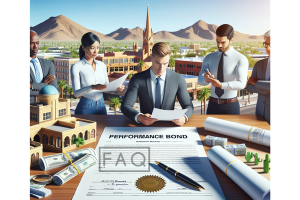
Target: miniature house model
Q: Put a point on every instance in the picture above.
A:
(51, 123)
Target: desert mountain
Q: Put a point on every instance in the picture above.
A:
(127, 34)
(62, 28)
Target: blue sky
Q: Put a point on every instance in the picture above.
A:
(246, 16)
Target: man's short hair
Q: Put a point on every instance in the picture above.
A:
(161, 49)
(34, 32)
(267, 34)
(225, 30)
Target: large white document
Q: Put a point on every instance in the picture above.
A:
(256, 186)
(119, 176)
(240, 131)
(112, 86)
(167, 115)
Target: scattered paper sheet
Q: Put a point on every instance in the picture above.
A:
(178, 147)
(167, 115)
(112, 86)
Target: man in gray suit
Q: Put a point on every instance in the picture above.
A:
(157, 87)
(259, 82)
(41, 70)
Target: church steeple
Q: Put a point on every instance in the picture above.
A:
(147, 37)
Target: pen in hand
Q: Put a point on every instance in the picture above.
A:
(180, 177)
(208, 74)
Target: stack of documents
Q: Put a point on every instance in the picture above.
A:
(214, 141)
(239, 149)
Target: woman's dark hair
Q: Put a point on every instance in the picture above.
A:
(225, 30)
(87, 40)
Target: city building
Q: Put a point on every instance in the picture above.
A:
(188, 66)
(129, 60)
(36, 151)
(51, 55)
(62, 67)
(193, 48)
(51, 123)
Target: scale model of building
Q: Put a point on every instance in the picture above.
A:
(51, 123)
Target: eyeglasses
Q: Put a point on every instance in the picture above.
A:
(266, 45)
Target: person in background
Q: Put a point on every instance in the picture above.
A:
(41, 71)
(227, 71)
(259, 82)
(89, 76)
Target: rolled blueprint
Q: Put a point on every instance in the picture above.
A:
(60, 160)
(256, 186)
(78, 167)
(241, 131)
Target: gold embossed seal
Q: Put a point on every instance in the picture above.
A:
(150, 183)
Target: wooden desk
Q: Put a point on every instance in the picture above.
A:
(230, 189)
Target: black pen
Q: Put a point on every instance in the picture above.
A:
(207, 73)
(180, 177)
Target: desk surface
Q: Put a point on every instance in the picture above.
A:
(230, 189)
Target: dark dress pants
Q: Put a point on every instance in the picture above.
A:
(231, 108)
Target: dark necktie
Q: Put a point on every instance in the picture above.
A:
(157, 93)
(220, 76)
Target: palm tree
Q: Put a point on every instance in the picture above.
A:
(203, 95)
(70, 91)
(61, 84)
(171, 62)
(66, 91)
(115, 103)
(141, 63)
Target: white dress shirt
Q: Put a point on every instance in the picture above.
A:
(83, 77)
(153, 87)
(268, 70)
(38, 65)
(235, 71)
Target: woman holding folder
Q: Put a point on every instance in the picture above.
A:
(88, 77)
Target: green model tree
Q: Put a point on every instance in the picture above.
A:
(115, 103)
(202, 96)
(78, 141)
(70, 91)
(61, 84)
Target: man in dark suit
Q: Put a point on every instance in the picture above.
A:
(157, 87)
(41, 70)
(259, 82)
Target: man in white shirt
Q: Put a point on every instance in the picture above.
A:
(41, 71)
(259, 82)
(226, 70)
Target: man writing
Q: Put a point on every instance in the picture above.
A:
(157, 87)
(259, 82)
(41, 70)
(226, 70)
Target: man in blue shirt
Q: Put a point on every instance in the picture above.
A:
(226, 70)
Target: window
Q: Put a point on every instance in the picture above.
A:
(125, 68)
(67, 77)
(180, 65)
(130, 60)
(121, 60)
(189, 85)
(198, 66)
(125, 60)
(67, 64)
(176, 64)
(116, 60)
(120, 69)
(112, 69)
(61, 112)
(116, 69)
(105, 61)
(135, 68)
(183, 65)
(33, 116)
(111, 61)
(130, 67)
(64, 111)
